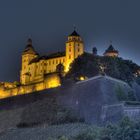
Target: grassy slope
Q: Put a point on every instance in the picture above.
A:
(45, 132)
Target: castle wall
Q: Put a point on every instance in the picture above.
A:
(38, 69)
(50, 81)
(51, 64)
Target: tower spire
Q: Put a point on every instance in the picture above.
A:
(74, 27)
(29, 41)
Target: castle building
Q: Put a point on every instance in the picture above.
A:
(111, 52)
(35, 67)
(44, 72)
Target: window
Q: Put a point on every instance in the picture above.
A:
(53, 61)
(69, 56)
(69, 44)
(49, 62)
(70, 49)
(56, 61)
(78, 49)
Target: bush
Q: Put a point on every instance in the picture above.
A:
(89, 65)
(131, 96)
(25, 125)
(90, 134)
(120, 94)
(125, 130)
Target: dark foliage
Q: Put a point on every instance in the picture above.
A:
(89, 65)
(125, 130)
(94, 51)
(25, 125)
(138, 80)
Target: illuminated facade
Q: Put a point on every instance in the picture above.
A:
(42, 72)
(35, 67)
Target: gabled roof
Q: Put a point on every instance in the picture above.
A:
(54, 55)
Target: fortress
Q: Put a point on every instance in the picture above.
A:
(41, 72)
(35, 67)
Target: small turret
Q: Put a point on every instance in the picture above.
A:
(111, 52)
(29, 49)
(94, 51)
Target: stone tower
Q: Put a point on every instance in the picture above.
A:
(74, 48)
(28, 54)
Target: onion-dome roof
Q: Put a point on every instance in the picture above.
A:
(29, 49)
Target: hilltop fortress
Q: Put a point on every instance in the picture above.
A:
(41, 72)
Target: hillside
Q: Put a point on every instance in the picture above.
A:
(82, 101)
(45, 132)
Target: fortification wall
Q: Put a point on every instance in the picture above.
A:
(50, 81)
(114, 113)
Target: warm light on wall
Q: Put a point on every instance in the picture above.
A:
(82, 78)
(53, 81)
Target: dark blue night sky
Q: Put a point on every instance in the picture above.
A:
(48, 22)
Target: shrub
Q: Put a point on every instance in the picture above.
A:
(62, 138)
(120, 94)
(90, 134)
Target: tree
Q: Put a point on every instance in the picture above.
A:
(94, 51)
(89, 65)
